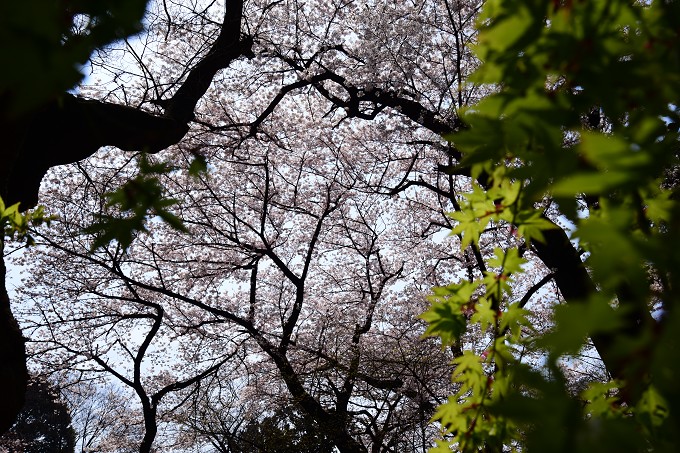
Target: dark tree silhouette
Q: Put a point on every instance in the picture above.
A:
(43, 425)
(65, 129)
(286, 431)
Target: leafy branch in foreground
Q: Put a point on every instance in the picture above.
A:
(136, 200)
(585, 115)
(16, 224)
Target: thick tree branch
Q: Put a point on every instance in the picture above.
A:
(227, 47)
(69, 129)
(576, 286)
(13, 373)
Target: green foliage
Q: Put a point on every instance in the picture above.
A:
(44, 43)
(585, 108)
(574, 323)
(16, 224)
(446, 314)
(198, 166)
(136, 200)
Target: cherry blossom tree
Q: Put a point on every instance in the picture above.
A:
(104, 418)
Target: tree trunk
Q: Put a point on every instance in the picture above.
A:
(576, 286)
(13, 373)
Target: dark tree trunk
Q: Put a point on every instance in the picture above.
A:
(576, 286)
(13, 374)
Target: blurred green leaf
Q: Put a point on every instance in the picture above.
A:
(574, 323)
(198, 165)
(137, 200)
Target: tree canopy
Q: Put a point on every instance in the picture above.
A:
(269, 254)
